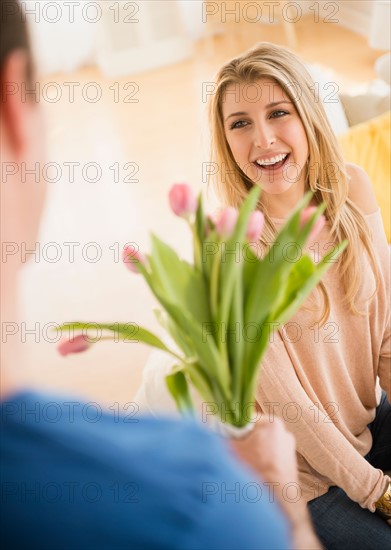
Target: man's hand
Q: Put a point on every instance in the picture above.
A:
(270, 450)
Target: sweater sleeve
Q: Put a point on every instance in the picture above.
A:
(152, 396)
(318, 439)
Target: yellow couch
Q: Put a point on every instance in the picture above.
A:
(368, 145)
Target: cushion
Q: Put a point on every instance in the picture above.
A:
(368, 145)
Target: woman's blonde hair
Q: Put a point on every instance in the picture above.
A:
(325, 173)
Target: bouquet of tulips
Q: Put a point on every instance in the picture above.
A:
(220, 310)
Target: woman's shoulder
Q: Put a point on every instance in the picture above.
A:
(360, 189)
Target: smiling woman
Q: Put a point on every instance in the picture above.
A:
(315, 162)
(281, 139)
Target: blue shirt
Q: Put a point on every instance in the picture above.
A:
(74, 476)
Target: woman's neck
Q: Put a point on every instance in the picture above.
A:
(281, 206)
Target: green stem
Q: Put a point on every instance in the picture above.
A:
(214, 285)
(197, 246)
(237, 317)
(214, 296)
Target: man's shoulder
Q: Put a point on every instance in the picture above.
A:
(155, 482)
(75, 439)
(65, 420)
(113, 468)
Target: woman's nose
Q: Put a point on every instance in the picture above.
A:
(264, 136)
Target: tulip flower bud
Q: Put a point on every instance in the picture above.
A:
(255, 226)
(319, 224)
(182, 200)
(131, 257)
(76, 345)
(225, 221)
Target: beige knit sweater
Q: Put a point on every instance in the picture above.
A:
(323, 380)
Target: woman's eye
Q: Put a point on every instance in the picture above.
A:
(278, 114)
(238, 124)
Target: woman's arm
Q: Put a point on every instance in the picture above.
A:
(318, 439)
(361, 190)
(362, 194)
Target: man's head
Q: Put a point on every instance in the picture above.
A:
(21, 147)
(21, 136)
(14, 35)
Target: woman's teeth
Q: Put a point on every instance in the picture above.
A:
(272, 161)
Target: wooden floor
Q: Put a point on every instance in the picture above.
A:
(164, 138)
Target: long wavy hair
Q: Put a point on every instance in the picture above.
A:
(325, 172)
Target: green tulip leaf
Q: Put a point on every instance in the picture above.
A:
(179, 389)
(180, 282)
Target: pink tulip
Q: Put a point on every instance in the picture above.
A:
(255, 226)
(131, 257)
(76, 345)
(182, 200)
(225, 221)
(306, 214)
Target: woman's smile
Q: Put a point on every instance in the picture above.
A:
(271, 164)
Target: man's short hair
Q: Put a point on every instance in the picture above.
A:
(14, 34)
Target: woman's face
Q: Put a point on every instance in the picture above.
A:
(266, 135)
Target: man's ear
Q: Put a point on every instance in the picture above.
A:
(15, 107)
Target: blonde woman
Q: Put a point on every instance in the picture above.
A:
(325, 370)
(327, 373)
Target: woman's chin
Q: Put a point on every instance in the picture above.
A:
(275, 188)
